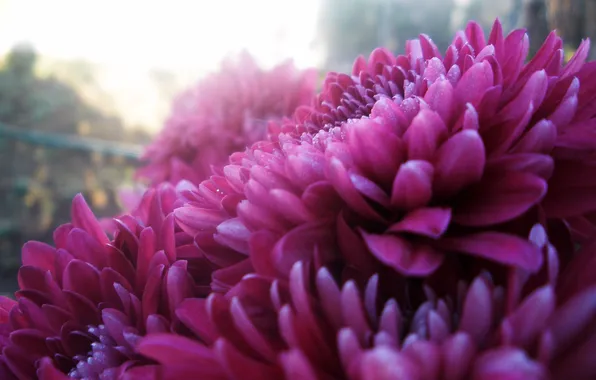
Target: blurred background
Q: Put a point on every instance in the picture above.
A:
(84, 85)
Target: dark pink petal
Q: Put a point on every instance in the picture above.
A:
(570, 201)
(476, 317)
(60, 235)
(166, 238)
(431, 222)
(193, 220)
(179, 285)
(432, 72)
(458, 163)
(426, 132)
(532, 93)
(499, 198)
(499, 139)
(496, 38)
(234, 234)
(240, 366)
(290, 206)
(84, 247)
(353, 248)
(83, 278)
(354, 313)
(300, 243)
(570, 322)
(350, 351)
(330, 297)
(578, 60)
(474, 83)
(391, 114)
(475, 35)
(370, 189)
(500, 247)
(427, 355)
(174, 350)
(539, 139)
(580, 137)
(516, 46)
(225, 278)
(40, 255)
(249, 331)
(82, 217)
(533, 163)
(339, 177)
(47, 371)
(439, 97)
(470, 118)
(321, 199)
(375, 149)
(404, 257)
(507, 363)
(543, 55)
(412, 186)
(193, 313)
(296, 366)
(458, 353)
(530, 318)
(384, 363)
(578, 363)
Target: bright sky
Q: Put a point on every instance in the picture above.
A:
(165, 33)
(131, 37)
(188, 37)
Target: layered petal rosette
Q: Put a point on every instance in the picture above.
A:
(225, 112)
(83, 304)
(529, 326)
(410, 160)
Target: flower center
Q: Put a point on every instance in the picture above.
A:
(102, 360)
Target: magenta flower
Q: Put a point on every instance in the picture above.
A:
(540, 326)
(412, 159)
(82, 305)
(224, 113)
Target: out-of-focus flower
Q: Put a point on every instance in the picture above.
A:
(82, 305)
(225, 112)
(412, 159)
(540, 326)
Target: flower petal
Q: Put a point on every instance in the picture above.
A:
(498, 199)
(459, 162)
(431, 222)
(412, 186)
(405, 258)
(497, 246)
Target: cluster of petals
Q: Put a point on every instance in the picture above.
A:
(311, 326)
(419, 220)
(412, 159)
(83, 304)
(223, 113)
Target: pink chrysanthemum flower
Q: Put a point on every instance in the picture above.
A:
(530, 326)
(82, 305)
(412, 159)
(224, 113)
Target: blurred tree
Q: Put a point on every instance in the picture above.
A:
(349, 28)
(485, 12)
(536, 22)
(590, 31)
(567, 16)
(574, 21)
